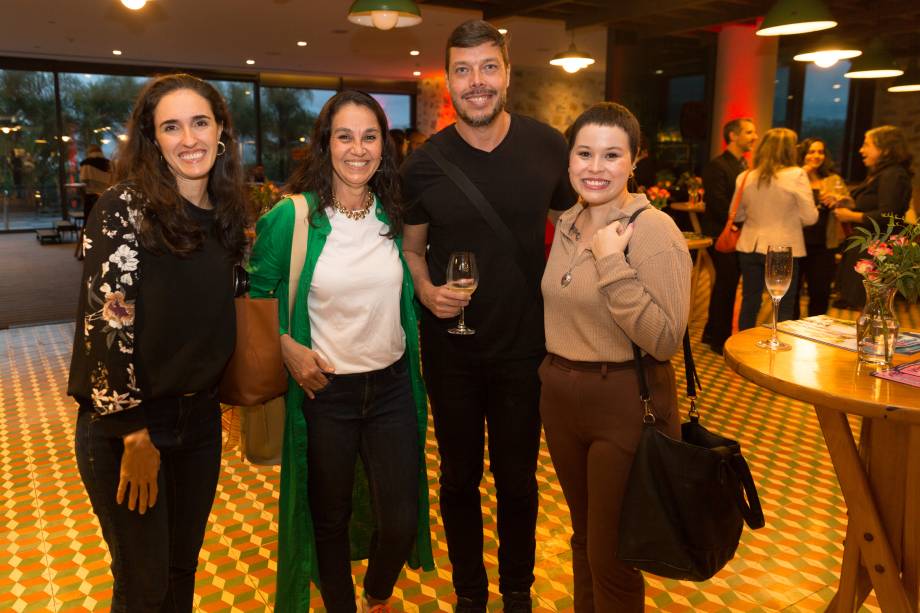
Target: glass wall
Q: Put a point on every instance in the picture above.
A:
(288, 115)
(29, 195)
(780, 97)
(824, 107)
(241, 101)
(398, 108)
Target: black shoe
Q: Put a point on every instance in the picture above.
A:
(517, 602)
(717, 348)
(468, 605)
(706, 339)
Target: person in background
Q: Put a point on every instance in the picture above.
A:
(719, 176)
(400, 145)
(256, 174)
(155, 329)
(96, 174)
(414, 140)
(599, 301)
(886, 191)
(775, 204)
(488, 379)
(821, 239)
(351, 348)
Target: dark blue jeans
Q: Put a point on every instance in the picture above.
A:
(467, 396)
(155, 555)
(371, 416)
(752, 287)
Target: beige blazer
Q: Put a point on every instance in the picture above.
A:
(774, 213)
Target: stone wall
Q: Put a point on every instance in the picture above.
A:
(547, 94)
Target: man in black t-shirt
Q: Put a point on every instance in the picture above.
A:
(520, 166)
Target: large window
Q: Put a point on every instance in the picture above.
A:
(241, 100)
(824, 108)
(288, 115)
(398, 108)
(29, 195)
(781, 97)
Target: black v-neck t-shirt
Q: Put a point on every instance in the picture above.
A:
(522, 178)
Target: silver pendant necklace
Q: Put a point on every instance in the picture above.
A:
(567, 277)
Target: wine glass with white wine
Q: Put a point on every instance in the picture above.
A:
(462, 276)
(777, 278)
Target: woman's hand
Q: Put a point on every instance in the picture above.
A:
(829, 200)
(845, 215)
(306, 366)
(611, 239)
(140, 464)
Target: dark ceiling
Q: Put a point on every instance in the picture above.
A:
(898, 21)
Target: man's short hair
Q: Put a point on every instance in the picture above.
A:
(473, 33)
(733, 127)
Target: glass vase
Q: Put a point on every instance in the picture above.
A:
(877, 327)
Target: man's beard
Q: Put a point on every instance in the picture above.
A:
(489, 117)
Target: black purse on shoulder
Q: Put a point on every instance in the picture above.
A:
(686, 501)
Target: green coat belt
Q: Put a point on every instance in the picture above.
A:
(269, 275)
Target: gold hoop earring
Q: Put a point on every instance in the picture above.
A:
(221, 148)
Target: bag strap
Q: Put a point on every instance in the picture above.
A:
(737, 201)
(481, 204)
(298, 247)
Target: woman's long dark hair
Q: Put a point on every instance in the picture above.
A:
(166, 224)
(314, 174)
(827, 167)
(895, 151)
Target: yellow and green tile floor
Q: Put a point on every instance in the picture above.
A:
(53, 557)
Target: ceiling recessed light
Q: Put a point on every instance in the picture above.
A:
(414, 52)
(416, 73)
(503, 31)
(250, 62)
(301, 43)
(659, 71)
(116, 51)
(134, 5)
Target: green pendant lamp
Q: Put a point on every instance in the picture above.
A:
(385, 14)
(875, 63)
(909, 81)
(827, 52)
(796, 17)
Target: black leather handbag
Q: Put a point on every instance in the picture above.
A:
(686, 501)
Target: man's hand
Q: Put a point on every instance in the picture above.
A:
(442, 301)
(140, 464)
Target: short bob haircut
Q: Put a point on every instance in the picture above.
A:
(165, 223)
(608, 114)
(314, 173)
(473, 33)
(893, 146)
(827, 167)
(775, 151)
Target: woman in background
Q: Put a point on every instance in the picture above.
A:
(776, 202)
(886, 191)
(821, 239)
(597, 303)
(356, 399)
(155, 329)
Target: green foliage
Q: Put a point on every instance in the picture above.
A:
(894, 255)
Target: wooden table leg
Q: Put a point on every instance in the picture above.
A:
(870, 535)
(911, 552)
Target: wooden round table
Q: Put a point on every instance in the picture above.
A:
(879, 479)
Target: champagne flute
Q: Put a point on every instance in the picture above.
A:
(462, 276)
(777, 278)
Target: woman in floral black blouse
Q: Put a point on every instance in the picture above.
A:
(154, 331)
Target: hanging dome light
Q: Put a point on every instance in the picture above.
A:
(909, 81)
(796, 17)
(134, 5)
(875, 63)
(572, 60)
(827, 52)
(385, 14)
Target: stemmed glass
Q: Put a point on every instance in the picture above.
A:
(777, 277)
(462, 276)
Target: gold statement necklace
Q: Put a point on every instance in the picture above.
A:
(357, 214)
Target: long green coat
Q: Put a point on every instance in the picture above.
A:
(269, 275)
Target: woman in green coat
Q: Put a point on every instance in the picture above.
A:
(351, 348)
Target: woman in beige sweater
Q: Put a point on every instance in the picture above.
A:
(598, 302)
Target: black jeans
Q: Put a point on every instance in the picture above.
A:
(468, 395)
(155, 555)
(817, 269)
(371, 415)
(752, 288)
(722, 299)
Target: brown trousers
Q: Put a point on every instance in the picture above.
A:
(593, 420)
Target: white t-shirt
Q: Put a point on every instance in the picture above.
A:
(355, 294)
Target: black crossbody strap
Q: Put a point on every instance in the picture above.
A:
(486, 210)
